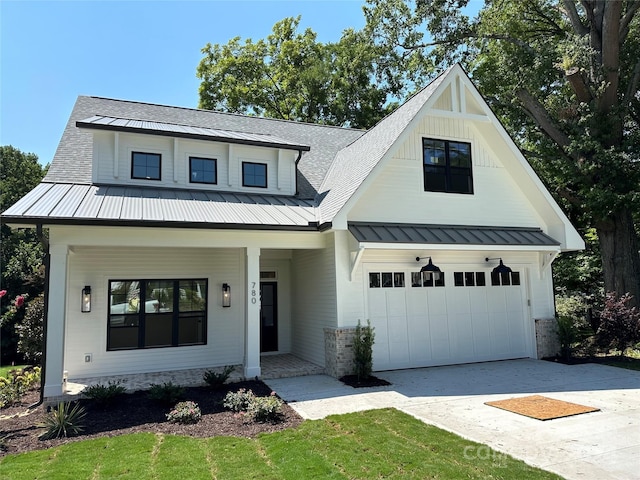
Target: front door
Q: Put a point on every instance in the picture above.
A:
(269, 317)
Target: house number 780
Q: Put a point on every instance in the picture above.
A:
(254, 298)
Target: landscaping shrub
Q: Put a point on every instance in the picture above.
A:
(238, 401)
(619, 323)
(17, 383)
(265, 409)
(363, 350)
(217, 379)
(30, 330)
(63, 421)
(167, 393)
(568, 335)
(185, 413)
(105, 394)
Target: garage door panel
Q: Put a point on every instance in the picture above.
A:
(436, 301)
(461, 336)
(483, 343)
(440, 337)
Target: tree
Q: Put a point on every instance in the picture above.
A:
(290, 75)
(20, 250)
(563, 77)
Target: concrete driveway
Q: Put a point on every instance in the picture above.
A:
(599, 445)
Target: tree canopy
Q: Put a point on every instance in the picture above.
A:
(563, 76)
(290, 75)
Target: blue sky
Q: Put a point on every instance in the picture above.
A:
(53, 51)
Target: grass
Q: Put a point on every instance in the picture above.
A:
(374, 444)
(5, 370)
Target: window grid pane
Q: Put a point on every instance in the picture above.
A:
(254, 174)
(203, 170)
(447, 166)
(145, 165)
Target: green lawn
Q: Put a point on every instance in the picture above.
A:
(375, 444)
(7, 369)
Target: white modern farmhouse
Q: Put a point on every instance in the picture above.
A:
(183, 238)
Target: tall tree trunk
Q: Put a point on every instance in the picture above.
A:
(620, 257)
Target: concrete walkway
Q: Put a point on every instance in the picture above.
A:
(599, 445)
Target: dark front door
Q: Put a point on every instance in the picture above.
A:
(269, 317)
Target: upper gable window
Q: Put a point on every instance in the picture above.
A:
(146, 166)
(447, 166)
(254, 174)
(203, 170)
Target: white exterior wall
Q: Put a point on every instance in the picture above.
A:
(86, 333)
(109, 169)
(314, 300)
(397, 193)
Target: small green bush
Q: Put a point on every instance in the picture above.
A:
(363, 350)
(568, 335)
(185, 413)
(16, 384)
(63, 421)
(265, 409)
(217, 379)
(619, 323)
(105, 394)
(167, 393)
(238, 401)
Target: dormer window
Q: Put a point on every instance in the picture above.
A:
(447, 166)
(254, 174)
(146, 166)
(203, 170)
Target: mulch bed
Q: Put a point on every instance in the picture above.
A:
(541, 408)
(371, 381)
(136, 412)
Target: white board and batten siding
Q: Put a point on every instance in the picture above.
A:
(86, 333)
(396, 194)
(110, 168)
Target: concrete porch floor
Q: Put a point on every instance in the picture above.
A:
(273, 366)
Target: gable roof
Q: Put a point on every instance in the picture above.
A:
(354, 163)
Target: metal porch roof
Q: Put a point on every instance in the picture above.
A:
(449, 234)
(58, 203)
(101, 122)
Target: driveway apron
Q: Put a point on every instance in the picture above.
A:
(599, 445)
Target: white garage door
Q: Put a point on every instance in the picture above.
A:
(463, 317)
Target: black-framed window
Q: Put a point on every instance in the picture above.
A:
(254, 174)
(504, 279)
(447, 166)
(386, 280)
(174, 313)
(146, 166)
(203, 170)
(427, 279)
(469, 279)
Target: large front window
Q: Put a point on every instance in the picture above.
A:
(156, 313)
(447, 166)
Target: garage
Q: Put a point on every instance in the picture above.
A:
(457, 316)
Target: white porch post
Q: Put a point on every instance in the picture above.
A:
(56, 320)
(252, 335)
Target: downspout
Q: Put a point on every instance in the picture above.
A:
(45, 320)
(296, 164)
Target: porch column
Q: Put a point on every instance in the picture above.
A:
(56, 320)
(252, 335)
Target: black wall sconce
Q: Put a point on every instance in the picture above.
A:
(501, 268)
(226, 295)
(86, 299)
(430, 268)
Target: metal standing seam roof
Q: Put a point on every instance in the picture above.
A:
(100, 122)
(58, 203)
(449, 234)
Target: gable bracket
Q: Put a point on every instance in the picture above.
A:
(546, 259)
(356, 257)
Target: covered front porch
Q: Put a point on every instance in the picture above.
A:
(272, 366)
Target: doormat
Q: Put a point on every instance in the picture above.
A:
(541, 408)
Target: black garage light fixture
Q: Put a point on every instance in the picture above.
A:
(226, 295)
(501, 268)
(86, 299)
(430, 268)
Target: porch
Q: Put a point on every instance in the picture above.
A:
(272, 366)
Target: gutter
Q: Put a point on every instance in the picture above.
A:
(45, 320)
(296, 176)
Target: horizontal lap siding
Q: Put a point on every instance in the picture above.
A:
(313, 300)
(87, 333)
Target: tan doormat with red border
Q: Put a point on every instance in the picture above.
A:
(541, 408)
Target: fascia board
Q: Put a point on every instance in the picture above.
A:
(453, 246)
